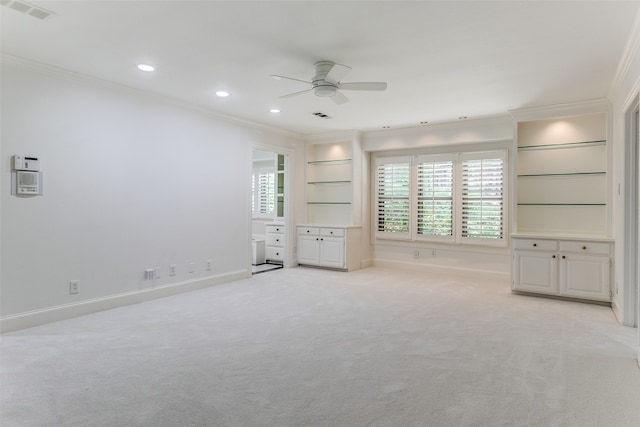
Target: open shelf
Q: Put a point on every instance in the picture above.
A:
(560, 145)
(329, 162)
(561, 174)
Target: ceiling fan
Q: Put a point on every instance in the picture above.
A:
(326, 82)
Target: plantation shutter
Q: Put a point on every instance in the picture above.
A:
(483, 195)
(435, 196)
(393, 198)
(266, 193)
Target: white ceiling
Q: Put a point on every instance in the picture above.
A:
(441, 60)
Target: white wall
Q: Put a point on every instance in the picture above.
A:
(479, 134)
(131, 181)
(625, 89)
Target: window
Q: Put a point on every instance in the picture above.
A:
(482, 196)
(435, 196)
(263, 192)
(456, 197)
(393, 196)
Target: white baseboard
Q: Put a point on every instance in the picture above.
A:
(68, 311)
(499, 275)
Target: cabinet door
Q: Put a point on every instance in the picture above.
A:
(332, 252)
(308, 250)
(536, 272)
(585, 276)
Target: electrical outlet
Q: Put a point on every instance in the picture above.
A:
(74, 287)
(192, 267)
(416, 254)
(156, 273)
(208, 265)
(148, 274)
(172, 270)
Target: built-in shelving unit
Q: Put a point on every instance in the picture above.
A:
(330, 183)
(562, 175)
(562, 205)
(280, 177)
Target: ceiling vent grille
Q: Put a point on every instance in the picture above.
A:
(322, 115)
(27, 8)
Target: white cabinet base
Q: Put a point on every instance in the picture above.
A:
(562, 267)
(329, 247)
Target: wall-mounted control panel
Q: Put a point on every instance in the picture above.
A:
(26, 178)
(26, 163)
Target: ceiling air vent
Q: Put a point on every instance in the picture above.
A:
(322, 115)
(28, 8)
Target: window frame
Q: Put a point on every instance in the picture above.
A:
(458, 158)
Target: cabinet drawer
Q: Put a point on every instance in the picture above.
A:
(598, 248)
(308, 231)
(275, 254)
(332, 232)
(275, 240)
(275, 229)
(535, 244)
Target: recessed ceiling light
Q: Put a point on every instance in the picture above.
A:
(222, 93)
(274, 110)
(145, 67)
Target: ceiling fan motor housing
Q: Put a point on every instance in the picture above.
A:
(321, 87)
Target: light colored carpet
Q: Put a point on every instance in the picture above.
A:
(307, 347)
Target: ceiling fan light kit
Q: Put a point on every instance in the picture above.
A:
(326, 82)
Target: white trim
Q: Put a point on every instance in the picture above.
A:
(593, 106)
(628, 54)
(68, 311)
(78, 77)
(383, 263)
(631, 229)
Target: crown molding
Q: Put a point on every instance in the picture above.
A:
(79, 77)
(631, 50)
(592, 106)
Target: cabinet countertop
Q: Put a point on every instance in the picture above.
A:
(549, 236)
(328, 226)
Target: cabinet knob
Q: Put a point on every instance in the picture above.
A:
(535, 244)
(321, 239)
(584, 248)
(277, 240)
(564, 257)
(331, 232)
(554, 257)
(317, 238)
(277, 229)
(307, 231)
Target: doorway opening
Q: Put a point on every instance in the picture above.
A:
(631, 212)
(269, 205)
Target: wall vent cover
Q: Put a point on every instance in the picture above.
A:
(322, 115)
(28, 8)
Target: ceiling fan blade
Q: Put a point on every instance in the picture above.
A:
(337, 73)
(339, 98)
(363, 86)
(277, 77)
(291, 95)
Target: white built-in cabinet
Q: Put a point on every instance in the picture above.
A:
(560, 239)
(331, 247)
(331, 235)
(563, 267)
(275, 243)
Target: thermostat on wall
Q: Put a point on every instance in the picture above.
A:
(26, 163)
(26, 178)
